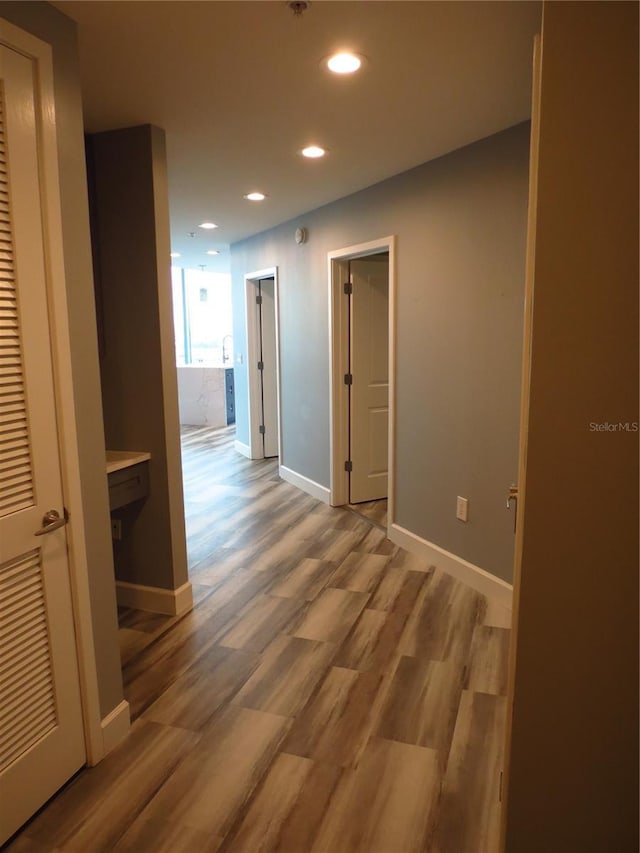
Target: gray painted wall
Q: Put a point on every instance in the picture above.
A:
(460, 223)
(573, 780)
(139, 386)
(51, 26)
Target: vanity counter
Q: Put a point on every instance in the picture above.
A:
(119, 459)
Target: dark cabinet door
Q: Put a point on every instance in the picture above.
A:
(230, 395)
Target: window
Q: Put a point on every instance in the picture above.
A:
(202, 317)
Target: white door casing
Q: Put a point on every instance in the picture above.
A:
(41, 723)
(369, 369)
(338, 269)
(524, 410)
(263, 347)
(267, 314)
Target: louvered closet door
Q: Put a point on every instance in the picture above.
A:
(41, 734)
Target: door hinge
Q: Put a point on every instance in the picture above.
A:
(258, 300)
(348, 288)
(348, 379)
(261, 365)
(348, 466)
(261, 429)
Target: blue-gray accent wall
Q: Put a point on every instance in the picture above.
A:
(460, 223)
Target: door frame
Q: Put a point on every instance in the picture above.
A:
(525, 383)
(252, 318)
(41, 54)
(338, 265)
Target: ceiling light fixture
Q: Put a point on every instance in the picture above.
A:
(298, 6)
(175, 254)
(344, 62)
(255, 196)
(212, 252)
(313, 152)
(207, 225)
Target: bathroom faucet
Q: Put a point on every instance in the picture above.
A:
(225, 354)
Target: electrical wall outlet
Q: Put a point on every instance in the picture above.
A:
(462, 509)
(116, 529)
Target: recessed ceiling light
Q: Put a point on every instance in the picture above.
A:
(175, 254)
(344, 63)
(207, 225)
(212, 252)
(313, 151)
(255, 196)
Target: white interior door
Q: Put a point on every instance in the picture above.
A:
(41, 730)
(369, 394)
(268, 373)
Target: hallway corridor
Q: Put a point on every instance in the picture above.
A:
(328, 692)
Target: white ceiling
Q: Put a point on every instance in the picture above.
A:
(239, 89)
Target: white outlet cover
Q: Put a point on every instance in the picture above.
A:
(462, 509)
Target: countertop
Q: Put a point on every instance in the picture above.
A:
(225, 366)
(118, 459)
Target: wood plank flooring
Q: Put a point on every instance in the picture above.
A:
(373, 511)
(329, 692)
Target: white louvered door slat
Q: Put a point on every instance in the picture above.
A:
(25, 647)
(41, 733)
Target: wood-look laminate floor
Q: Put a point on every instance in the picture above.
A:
(373, 511)
(328, 692)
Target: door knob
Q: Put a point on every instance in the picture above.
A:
(51, 521)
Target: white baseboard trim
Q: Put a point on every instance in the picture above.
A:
(242, 448)
(496, 589)
(115, 726)
(309, 486)
(170, 602)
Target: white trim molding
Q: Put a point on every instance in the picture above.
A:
(242, 448)
(170, 602)
(338, 261)
(312, 488)
(499, 591)
(115, 726)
